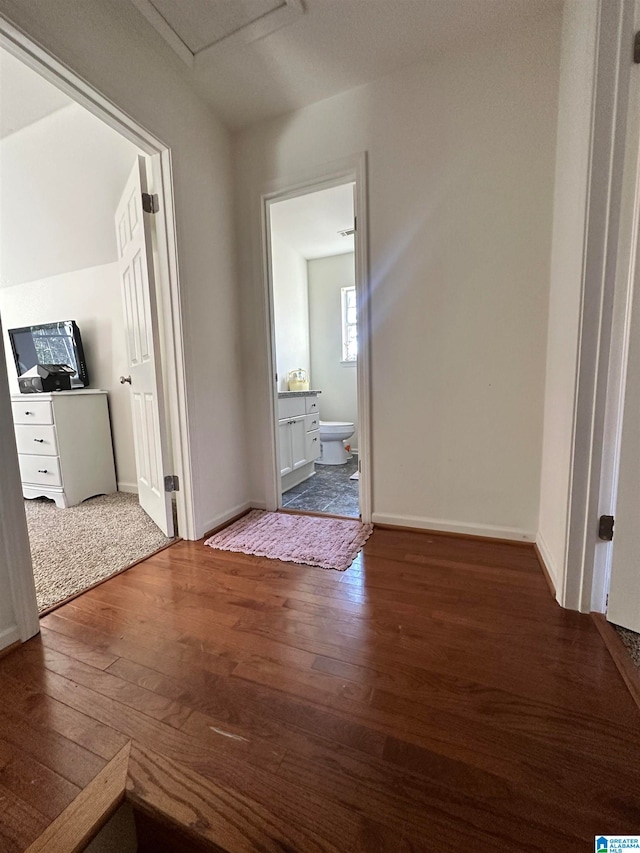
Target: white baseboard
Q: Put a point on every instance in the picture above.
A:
(130, 488)
(203, 529)
(9, 636)
(549, 562)
(448, 526)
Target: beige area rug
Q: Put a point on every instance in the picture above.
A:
(74, 548)
(631, 641)
(330, 543)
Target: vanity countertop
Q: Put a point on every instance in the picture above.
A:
(298, 393)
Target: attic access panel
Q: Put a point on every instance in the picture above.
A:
(200, 29)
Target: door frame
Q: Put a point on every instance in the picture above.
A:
(169, 317)
(607, 266)
(336, 173)
(627, 281)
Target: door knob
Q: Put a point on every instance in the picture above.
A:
(124, 379)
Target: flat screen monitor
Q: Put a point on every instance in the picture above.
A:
(50, 343)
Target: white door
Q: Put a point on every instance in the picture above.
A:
(623, 607)
(135, 256)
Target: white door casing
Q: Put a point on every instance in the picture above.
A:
(353, 170)
(623, 606)
(135, 259)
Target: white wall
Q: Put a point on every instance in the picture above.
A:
(58, 255)
(290, 309)
(60, 181)
(92, 297)
(337, 381)
(111, 45)
(577, 77)
(461, 168)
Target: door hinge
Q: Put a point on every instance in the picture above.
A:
(171, 483)
(605, 528)
(636, 48)
(150, 203)
(355, 223)
(359, 467)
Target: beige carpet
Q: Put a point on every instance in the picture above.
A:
(74, 548)
(631, 641)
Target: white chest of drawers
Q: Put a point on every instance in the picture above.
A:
(64, 445)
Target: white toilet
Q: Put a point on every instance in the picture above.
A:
(332, 436)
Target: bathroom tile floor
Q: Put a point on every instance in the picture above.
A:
(329, 490)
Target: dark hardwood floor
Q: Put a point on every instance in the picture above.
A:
(432, 697)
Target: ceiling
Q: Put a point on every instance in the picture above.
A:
(25, 97)
(256, 59)
(310, 223)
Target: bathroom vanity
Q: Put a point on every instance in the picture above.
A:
(298, 435)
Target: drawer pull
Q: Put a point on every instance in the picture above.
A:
(39, 440)
(29, 413)
(42, 471)
(316, 438)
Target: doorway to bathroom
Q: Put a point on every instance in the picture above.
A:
(317, 332)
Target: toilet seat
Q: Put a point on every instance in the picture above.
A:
(332, 427)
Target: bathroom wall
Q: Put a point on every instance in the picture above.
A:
(337, 381)
(291, 309)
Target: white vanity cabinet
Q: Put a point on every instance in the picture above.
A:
(293, 444)
(299, 436)
(64, 445)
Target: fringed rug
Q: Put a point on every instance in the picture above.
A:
(329, 543)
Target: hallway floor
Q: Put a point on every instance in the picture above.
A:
(434, 690)
(330, 490)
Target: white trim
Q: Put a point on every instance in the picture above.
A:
(602, 221)
(174, 370)
(347, 170)
(9, 636)
(223, 517)
(163, 28)
(15, 552)
(628, 253)
(37, 58)
(128, 488)
(447, 525)
(257, 29)
(345, 324)
(549, 564)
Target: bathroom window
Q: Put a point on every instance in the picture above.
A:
(349, 325)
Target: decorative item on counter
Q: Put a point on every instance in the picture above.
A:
(298, 380)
